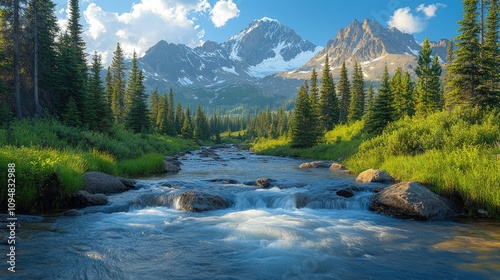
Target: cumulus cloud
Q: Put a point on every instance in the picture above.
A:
(407, 22)
(430, 11)
(404, 20)
(147, 22)
(223, 11)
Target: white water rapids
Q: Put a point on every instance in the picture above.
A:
(297, 229)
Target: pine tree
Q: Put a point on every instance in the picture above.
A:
(407, 105)
(344, 94)
(154, 100)
(118, 69)
(97, 112)
(132, 83)
(382, 111)
(109, 86)
(71, 115)
(42, 28)
(137, 118)
(187, 126)
(170, 117)
(302, 134)
(447, 85)
(428, 86)
(328, 101)
(179, 118)
(313, 89)
(161, 118)
(357, 105)
(464, 70)
(490, 85)
(201, 131)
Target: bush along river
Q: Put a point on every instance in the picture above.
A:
(231, 214)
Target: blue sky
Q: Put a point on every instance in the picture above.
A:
(139, 24)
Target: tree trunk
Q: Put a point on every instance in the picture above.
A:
(38, 109)
(17, 76)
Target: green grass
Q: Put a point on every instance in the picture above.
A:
(51, 158)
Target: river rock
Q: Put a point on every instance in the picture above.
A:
(337, 166)
(225, 181)
(83, 199)
(315, 164)
(170, 167)
(129, 183)
(374, 176)
(72, 213)
(347, 193)
(97, 182)
(264, 182)
(199, 202)
(411, 200)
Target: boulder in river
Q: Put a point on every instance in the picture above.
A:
(225, 181)
(374, 176)
(411, 200)
(170, 167)
(199, 202)
(82, 199)
(337, 166)
(264, 182)
(315, 164)
(97, 182)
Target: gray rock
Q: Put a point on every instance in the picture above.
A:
(169, 167)
(199, 202)
(225, 181)
(264, 182)
(337, 166)
(72, 213)
(315, 164)
(83, 199)
(374, 176)
(97, 182)
(129, 183)
(345, 193)
(481, 213)
(411, 200)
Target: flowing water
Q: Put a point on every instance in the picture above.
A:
(297, 229)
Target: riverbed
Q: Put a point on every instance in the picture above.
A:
(299, 228)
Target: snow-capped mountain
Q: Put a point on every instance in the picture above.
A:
(371, 45)
(264, 48)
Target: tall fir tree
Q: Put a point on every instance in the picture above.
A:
(109, 86)
(154, 100)
(357, 105)
(187, 125)
(302, 134)
(97, 110)
(328, 102)
(42, 28)
(118, 84)
(179, 118)
(170, 117)
(137, 118)
(428, 86)
(464, 70)
(344, 94)
(132, 83)
(382, 111)
(490, 86)
(161, 123)
(313, 88)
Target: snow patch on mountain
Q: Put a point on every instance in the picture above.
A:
(231, 70)
(279, 64)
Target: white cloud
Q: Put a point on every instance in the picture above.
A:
(223, 11)
(147, 22)
(430, 11)
(405, 21)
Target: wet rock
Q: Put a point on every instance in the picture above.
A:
(374, 176)
(345, 193)
(83, 199)
(481, 213)
(225, 181)
(97, 182)
(199, 202)
(72, 213)
(411, 200)
(315, 164)
(337, 166)
(129, 183)
(169, 167)
(264, 182)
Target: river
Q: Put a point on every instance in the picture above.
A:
(264, 234)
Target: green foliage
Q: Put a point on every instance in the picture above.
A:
(304, 133)
(344, 94)
(357, 105)
(453, 153)
(382, 112)
(137, 113)
(146, 164)
(115, 84)
(328, 101)
(429, 86)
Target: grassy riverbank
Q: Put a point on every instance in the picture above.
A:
(454, 154)
(50, 158)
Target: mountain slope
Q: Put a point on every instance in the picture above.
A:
(373, 46)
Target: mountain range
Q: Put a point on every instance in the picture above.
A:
(264, 64)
